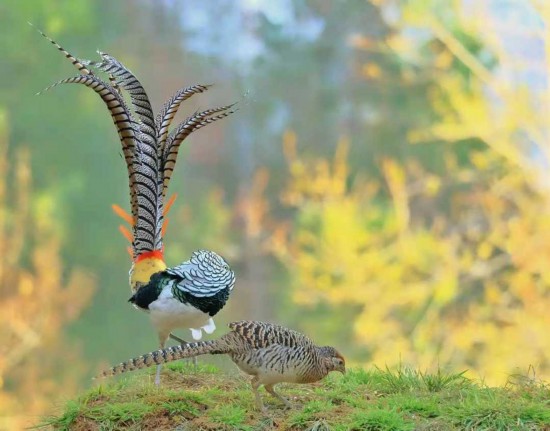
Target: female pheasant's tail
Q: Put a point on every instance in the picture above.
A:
(213, 347)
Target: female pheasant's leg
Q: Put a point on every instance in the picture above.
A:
(255, 385)
(271, 390)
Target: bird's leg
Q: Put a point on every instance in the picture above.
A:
(271, 390)
(178, 339)
(162, 342)
(255, 385)
(157, 375)
(182, 341)
(197, 335)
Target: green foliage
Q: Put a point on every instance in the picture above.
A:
(371, 399)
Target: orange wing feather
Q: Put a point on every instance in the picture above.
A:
(123, 214)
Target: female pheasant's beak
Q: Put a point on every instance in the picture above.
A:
(342, 369)
(339, 364)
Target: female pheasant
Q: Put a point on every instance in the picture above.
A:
(270, 353)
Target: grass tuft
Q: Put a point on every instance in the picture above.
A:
(227, 414)
(405, 379)
(497, 409)
(379, 420)
(369, 400)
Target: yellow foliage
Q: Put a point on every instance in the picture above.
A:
(469, 290)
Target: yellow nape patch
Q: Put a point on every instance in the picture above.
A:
(144, 269)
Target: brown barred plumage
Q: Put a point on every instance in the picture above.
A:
(270, 353)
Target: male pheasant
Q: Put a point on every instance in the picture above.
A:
(187, 295)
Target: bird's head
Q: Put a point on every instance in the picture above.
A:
(334, 359)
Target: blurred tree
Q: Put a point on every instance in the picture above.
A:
(38, 295)
(445, 261)
(433, 288)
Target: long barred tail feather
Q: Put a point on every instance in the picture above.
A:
(148, 226)
(213, 347)
(128, 143)
(169, 110)
(79, 64)
(122, 119)
(182, 131)
(127, 80)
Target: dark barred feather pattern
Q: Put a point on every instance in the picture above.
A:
(129, 144)
(204, 275)
(147, 230)
(79, 64)
(127, 80)
(169, 354)
(122, 119)
(261, 334)
(169, 111)
(182, 131)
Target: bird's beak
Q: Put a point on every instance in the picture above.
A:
(343, 371)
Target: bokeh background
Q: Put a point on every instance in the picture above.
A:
(384, 186)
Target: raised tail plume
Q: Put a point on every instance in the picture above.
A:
(212, 347)
(150, 150)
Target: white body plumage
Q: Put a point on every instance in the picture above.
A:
(168, 313)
